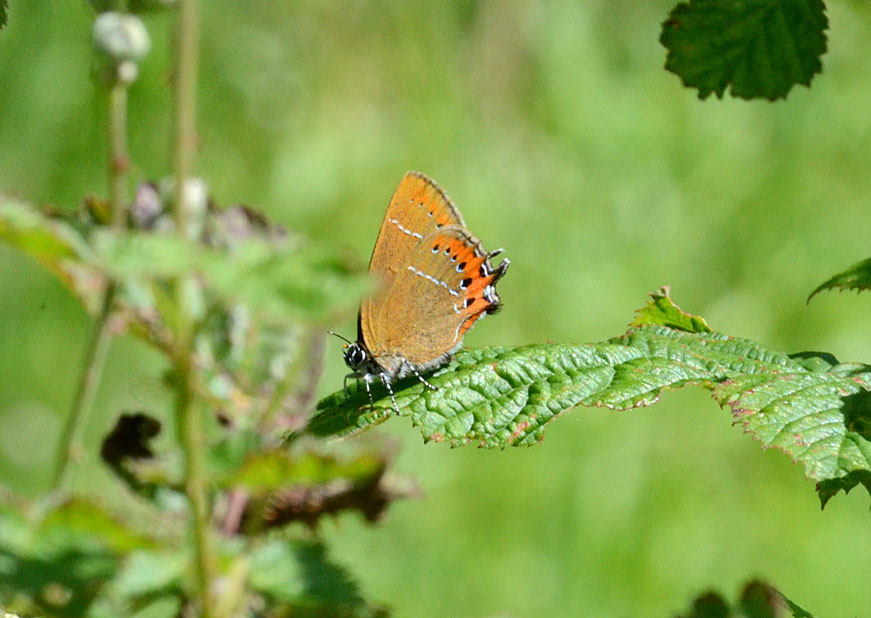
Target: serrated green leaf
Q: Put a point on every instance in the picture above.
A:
(815, 410)
(857, 277)
(301, 575)
(498, 397)
(803, 414)
(827, 489)
(662, 310)
(761, 48)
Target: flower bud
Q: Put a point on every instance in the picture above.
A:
(121, 36)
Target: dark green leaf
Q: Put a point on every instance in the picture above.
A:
(828, 488)
(758, 600)
(857, 277)
(299, 574)
(761, 48)
(761, 600)
(805, 415)
(59, 572)
(3, 13)
(127, 451)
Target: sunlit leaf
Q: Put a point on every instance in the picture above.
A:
(816, 411)
(662, 310)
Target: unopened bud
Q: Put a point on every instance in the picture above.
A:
(121, 36)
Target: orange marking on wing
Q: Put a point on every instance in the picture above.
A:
(469, 324)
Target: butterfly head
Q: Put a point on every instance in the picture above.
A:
(356, 356)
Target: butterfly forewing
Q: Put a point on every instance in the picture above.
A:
(418, 208)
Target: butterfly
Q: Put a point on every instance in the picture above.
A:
(434, 279)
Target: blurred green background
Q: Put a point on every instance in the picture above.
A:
(557, 132)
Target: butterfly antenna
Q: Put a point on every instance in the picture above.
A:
(345, 339)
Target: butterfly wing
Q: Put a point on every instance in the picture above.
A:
(417, 209)
(447, 285)
(436, 280)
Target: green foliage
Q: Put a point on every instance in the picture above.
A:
(496, 397)
(857, 277)
(4, 16)
(262, 296)
(660, 310)
(306, 484)
(60, 566)
(812, 416)
(299, 579)
(757, 600)
(261, 287)
(761, 48)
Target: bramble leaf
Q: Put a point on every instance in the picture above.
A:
(276, 280)
(661, 310)
(814, 410)
(758, 600)
(284, 486)
(857, 277)
(263, 290)
(55, 244)
(300, 577)
(55, 569)
(761, 48)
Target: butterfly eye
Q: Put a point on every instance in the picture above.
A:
(355, 355)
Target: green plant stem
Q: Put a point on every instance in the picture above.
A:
(119, 158)
(189, 423)
(119, 163)
(187, 40)
(71, 438)
(189, 415)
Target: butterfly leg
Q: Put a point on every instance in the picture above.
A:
(386, 381)
(368, 390)
(421, 378)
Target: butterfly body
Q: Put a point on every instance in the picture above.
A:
(435, 281)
